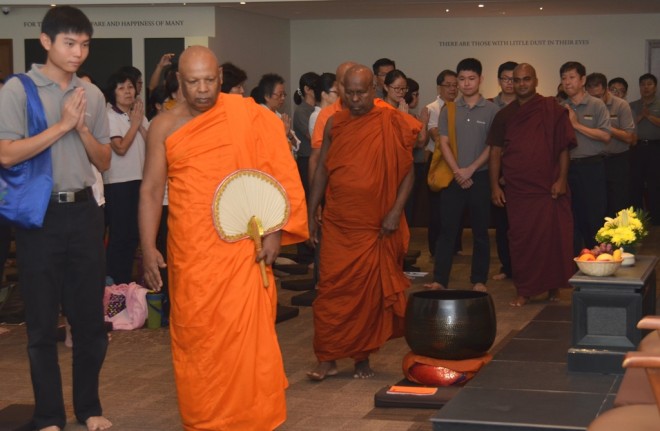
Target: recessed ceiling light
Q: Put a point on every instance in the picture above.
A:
(541, 8)
(243, 2)
(447, 10)
(481, 5)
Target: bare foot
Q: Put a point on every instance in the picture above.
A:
(363, 370)
(68, 340)
(434, 286)
(479, 287)
(95, 423)
(499, 277)
(519, 301)
(323, 369)
(553, 295)
(51, 428)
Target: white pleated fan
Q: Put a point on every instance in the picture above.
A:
(249, 204)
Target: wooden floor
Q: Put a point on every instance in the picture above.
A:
(137, 389)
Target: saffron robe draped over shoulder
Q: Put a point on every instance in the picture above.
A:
(227, 362)
(540, 227)
(361, 293)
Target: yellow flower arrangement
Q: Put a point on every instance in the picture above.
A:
(626, 229)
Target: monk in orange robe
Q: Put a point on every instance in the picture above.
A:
(227, 362)
(365, 173)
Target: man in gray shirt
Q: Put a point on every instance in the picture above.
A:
(471, 185)
(646, 154)
(617, 160)
(586, 176)
(62, 264)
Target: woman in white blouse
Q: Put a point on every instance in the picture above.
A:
(128, 131)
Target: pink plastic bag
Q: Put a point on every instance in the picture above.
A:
(125, 305)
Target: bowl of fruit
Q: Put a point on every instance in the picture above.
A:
(600, 261)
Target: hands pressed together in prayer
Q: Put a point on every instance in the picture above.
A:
(74, 111)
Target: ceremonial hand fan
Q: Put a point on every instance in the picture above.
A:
(250, 204)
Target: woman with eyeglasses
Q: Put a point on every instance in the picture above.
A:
(395, 89)
(271, 93)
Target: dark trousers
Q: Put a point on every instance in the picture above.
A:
(63, 265)
(454, 200)
(121, 207)
(502, 238)
(645, 178)
(617, 173)
(303, 170)
(418, 186)
(588, 201)
(161, 245)
(5, 247)
(434, 224)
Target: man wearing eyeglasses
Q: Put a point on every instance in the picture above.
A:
(617, 154)
(506, 96)
(646, 154)
(381, 67)
(447, 86)
(619, 87)
(529, 140)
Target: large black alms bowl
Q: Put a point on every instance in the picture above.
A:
(450, 324)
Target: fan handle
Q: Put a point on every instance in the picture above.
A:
(256, 230)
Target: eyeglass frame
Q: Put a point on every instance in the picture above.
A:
(403, 90)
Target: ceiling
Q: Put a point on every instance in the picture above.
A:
(359, 9)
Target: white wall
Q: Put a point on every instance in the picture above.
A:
(613, 45)
(195, 24)
(257, 44)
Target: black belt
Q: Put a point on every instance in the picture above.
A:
(648, 141)
(587, 160)
(615, 155)
(71, 197)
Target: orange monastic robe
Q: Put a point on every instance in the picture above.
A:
(361, 293)
(227, 362)
(322, 120)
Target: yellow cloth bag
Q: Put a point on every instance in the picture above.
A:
(440, 174)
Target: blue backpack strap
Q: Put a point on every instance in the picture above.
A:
(36, 115)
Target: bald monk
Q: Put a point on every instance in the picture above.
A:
(366, 165)
(227, 362)
(324, 116)
(530, 139)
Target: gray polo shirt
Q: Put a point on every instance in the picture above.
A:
(621, 118)
(497, 100)
(646, 129)
(591, 112)
(472, 125)
(72, 170)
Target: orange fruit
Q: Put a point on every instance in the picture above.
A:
(586, 257)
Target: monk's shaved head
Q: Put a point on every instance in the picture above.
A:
(359, 91)
(524, 82)
(341, 71)
(199, 77)
(342, 68)
(526, 67)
